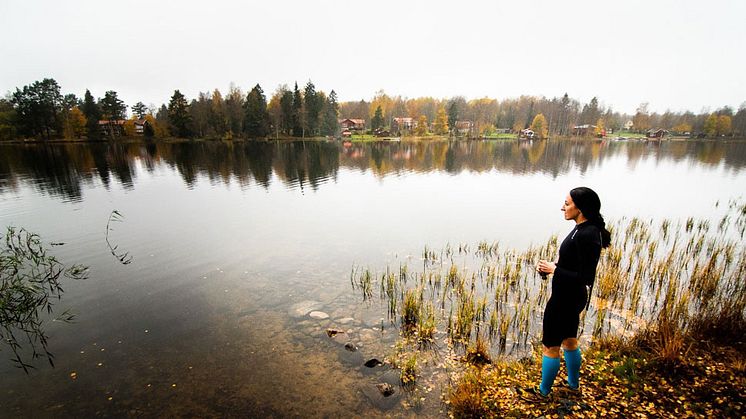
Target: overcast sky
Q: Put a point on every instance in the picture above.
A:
(674, 54)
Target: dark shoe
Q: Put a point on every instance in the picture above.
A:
(533, 395)
(564, 387)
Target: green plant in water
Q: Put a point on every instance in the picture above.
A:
(426, 326)
(30, 281)
(363, 282)
(408, 373)
(411, 311)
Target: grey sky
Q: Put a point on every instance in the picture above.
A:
(678, 55)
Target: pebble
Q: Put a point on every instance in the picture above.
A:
(350, 347)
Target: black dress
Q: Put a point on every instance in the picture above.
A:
(576, 269)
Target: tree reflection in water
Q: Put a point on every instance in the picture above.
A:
(62, 169)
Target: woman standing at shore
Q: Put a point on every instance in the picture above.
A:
(572, 280)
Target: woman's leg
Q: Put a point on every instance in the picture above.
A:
(573, 360)
(550, 365)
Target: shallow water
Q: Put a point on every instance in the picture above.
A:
(228, 239)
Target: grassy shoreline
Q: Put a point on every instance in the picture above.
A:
(663, 336)
(618, 379)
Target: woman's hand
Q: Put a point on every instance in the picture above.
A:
(545, 267)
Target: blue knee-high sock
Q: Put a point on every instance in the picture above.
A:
(549, 369)
(573, 359)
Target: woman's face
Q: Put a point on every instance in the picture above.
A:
(571, 211)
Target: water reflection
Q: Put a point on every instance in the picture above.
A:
(62, 170)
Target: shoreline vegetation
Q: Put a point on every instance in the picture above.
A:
(41, 111)
(360, 139)
(663, 336)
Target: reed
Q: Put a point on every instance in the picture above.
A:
(411, 311)
(426, 326)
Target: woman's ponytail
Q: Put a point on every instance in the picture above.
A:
(598, 221)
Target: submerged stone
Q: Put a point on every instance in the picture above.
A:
(303, 308)
(318, 315)
(385, 388)
(377, 398)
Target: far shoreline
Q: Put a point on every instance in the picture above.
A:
(175, 140)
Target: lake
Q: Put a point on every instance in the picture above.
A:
(233, 245)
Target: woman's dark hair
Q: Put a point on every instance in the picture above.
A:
(589, 204)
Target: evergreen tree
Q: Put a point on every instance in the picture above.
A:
(140, 110)
(38, 108)
(331, 115)
(112, 108)
(377, 121)
(313, 104)
(92, 114)
(178, 115)
(70, 101)
(286, 111)
(590, 113)
(256, 121)
(297, 114)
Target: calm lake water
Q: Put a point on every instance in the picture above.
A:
(233, 244)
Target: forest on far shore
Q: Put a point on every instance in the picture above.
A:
(41, 111)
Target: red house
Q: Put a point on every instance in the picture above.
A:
(352, 124)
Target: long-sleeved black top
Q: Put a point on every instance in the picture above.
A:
(578, 257)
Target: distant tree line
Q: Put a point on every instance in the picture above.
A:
(41, 111)
(556, 116)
